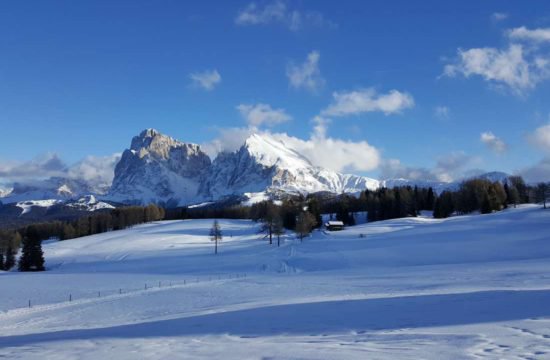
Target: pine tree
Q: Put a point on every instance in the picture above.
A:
(9, 262)
(315, 209)
(68, 232)
(32, 256)
(342, 213)
(2, 260)
(444, 205)
(513, 196)
(486, 204)
(216, 235)
(430, 199)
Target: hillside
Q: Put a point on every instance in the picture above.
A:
(463, 287)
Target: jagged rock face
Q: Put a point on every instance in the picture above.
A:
(158, 168)
(266, 164)
(236, 173)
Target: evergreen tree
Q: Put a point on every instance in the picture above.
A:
(69, 232)
(342, 213)
(430, 199)
(486, 207)
(216, 235)
(508, 195)
(9, 261)
(372, 208)
(513, 196)
(32, 256)
(2, 260)
(521, 187)
(315, 209)
(542, 193)
(289, 213)
(444, 205)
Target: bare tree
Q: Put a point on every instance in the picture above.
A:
(216, 234)
(278, 229)
(304, 224)
(269, 219)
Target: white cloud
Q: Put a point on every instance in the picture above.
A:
(228, 140)
(518, 67)
(535, 35)
(94, 170)
(335, 154)
(493, 142)
(541, 138)
(442, 112)
(331, 153)
(252, 14)
(306, 75)
(43, 166)
(206, 80)
(499, 16)
(98, 170)
(278, 12)
(508, 67)
(450, 167)
(394, 169)
(540, 172)
(368, 100)
(262, 114)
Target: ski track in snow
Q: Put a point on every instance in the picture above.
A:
(471, 287)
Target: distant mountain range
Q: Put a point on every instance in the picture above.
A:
(157, 168)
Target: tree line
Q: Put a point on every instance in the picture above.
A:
(299, 213)
(485, 196)
(29, 237)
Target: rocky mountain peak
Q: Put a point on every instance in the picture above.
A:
(159, 168)
(270, 151)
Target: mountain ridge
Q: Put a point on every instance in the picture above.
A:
(160, 169)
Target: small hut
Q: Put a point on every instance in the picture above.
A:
(334, 225)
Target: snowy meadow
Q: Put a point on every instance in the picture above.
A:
(465, 287)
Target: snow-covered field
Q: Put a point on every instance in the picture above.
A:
(418, 288)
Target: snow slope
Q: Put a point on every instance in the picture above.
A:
(460, 288)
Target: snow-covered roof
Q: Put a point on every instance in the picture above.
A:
(334, 223)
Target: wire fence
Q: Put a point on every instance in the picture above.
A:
(112, 293)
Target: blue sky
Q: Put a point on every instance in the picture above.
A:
(408, 87)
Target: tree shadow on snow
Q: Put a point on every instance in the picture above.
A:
(327, 317)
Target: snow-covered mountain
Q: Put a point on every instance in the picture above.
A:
(160, 169)
(266, 164)
(57, 188)
(86, 203)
